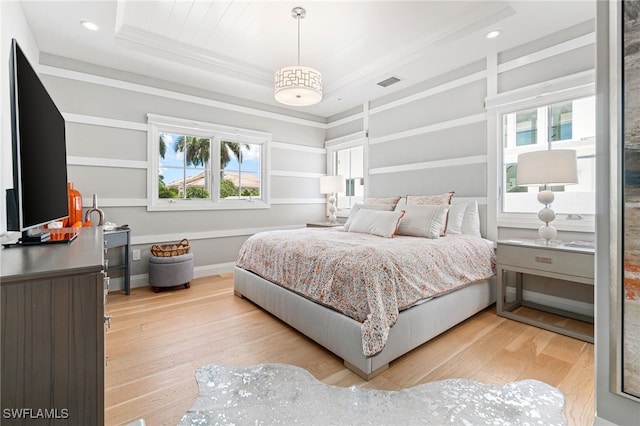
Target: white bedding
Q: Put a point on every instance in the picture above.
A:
(366, 277)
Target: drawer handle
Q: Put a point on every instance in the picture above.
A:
(544, 259)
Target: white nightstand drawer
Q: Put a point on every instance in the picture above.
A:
(547, 259)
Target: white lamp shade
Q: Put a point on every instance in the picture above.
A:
(552, 167)
(331, 184)
(298, 86)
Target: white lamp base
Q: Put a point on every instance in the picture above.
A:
(332, 209)
(547, 232)
(548, 236)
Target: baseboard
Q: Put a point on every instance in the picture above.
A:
(598, 421)
(142, 280)
(554, 302)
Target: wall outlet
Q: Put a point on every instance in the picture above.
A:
(135, 254)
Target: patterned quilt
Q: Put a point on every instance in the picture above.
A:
(369, 278)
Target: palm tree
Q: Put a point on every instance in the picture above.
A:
(163, 144)
(228, 149)
(197, 150)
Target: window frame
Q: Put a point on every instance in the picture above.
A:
(562, 222)
(342, 143)
(157, 124)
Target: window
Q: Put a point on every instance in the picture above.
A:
(349, 162)
(199, 166)
(526, 127)
(346, 157)
(563, 125)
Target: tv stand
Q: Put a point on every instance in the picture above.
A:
(53, 333)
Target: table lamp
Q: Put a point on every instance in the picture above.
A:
(546, 168)
(331, 185)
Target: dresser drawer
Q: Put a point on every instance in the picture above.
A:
(547, 259)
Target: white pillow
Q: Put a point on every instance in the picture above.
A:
(423, 220)
(357, 207)
(464, 218)
(375, 222)
(456, 217)
(471, 220)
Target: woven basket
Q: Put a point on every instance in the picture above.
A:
(171, 249)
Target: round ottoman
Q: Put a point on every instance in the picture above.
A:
(170, 271)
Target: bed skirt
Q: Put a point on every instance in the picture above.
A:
(341, 334)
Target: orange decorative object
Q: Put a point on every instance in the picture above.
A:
(75, 205)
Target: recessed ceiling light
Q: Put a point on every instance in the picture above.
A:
(89, 25)
(493, 34)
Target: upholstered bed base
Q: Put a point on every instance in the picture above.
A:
(341, 334)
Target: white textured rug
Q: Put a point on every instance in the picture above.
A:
(284, 395)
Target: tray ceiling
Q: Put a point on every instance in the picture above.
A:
(234, 47)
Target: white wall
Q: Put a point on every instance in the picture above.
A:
(106, 112)
(443, 135)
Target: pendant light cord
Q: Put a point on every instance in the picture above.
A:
(298, 18)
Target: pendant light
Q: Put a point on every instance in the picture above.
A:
(298, 85)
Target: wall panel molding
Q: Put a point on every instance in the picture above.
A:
(346, 140)
(206, 235)
(290, 201)
(345, 120)
(452, 162)
(170, 94)
(291, 173)
(106, 162)
(142, 202)
(115, 202)
(105, 122)
(582, 83)
(558, 49)
(456, 122)
(296, 147)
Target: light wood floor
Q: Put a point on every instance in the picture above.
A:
(157, 341)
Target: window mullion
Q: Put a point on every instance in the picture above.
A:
(215, 171)
(543, 127)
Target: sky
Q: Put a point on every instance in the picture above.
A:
(250, 163)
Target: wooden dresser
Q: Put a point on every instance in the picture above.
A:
(52, 329)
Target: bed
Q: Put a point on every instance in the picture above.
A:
(366, 298)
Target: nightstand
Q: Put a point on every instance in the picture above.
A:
(559, 262)
(324, 224)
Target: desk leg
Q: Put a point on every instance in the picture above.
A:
(127, 275)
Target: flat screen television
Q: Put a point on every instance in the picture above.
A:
(39, 193)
